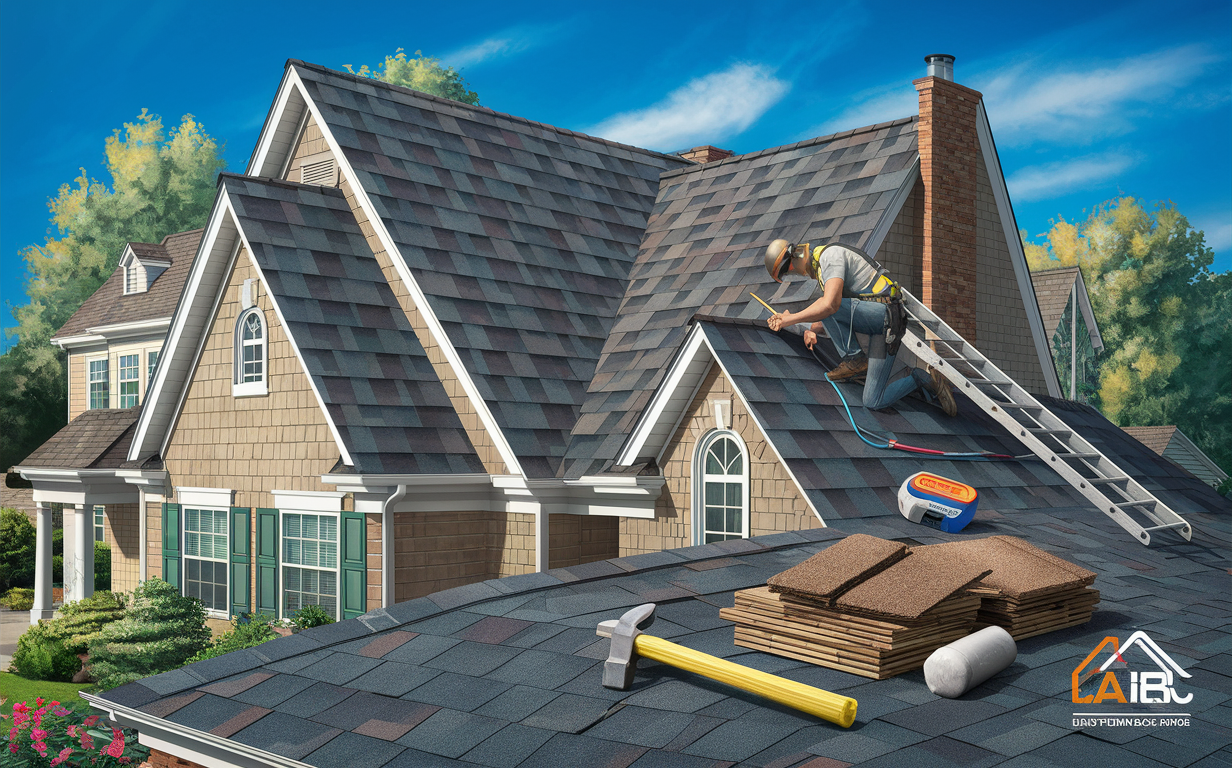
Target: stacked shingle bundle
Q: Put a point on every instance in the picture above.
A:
(1028, 592)
(865, 606)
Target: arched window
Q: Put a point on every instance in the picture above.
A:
(720, 488)
(251, 347)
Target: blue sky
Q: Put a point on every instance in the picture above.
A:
(1087, 101)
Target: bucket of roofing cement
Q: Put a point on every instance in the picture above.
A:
(954, 669)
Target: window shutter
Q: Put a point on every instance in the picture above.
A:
(241, 561)
(267, 562)
(171, 545)
(354, 566)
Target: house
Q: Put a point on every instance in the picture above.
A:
(1171, 443)
(1074, 345)
(423, 345)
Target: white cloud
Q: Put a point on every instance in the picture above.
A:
(1039, 182)
(873, 106)
(1217, 231)
(1038, 100)
(507, 42)
(705, 110)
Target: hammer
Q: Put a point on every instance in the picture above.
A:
(628, 643)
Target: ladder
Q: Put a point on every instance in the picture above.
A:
(1090, 472)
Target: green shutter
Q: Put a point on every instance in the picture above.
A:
(171, 545)
(267, 562)
(354, 566)
(241, 561)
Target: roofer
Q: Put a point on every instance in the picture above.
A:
(856, 296)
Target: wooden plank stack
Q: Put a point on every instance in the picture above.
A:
(875, 608)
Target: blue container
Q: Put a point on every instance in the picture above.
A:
(937, 502)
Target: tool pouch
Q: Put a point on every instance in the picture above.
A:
(895, 325)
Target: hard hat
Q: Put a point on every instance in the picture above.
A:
(778, 259)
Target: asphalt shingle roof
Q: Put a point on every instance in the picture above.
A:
(1052, 293)
(702, 253)
(484, 696)
(109, 305)
(378, 385)
(521, 236)
(96, 439)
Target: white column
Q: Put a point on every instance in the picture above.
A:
(83, 545)
(70, 552)
(42, 565)
(142, 530)
(541, 540)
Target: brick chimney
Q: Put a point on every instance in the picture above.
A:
(949, 152)
(706, 154)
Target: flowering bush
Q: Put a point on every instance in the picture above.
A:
(51, 735)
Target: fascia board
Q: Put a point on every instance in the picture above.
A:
(78, 341)
(499, 441)
(765, 434)
(1088, 314)
(204, 749)
(882, 229)
(687, 360)
(1018, 257)
(283, 113)
(165, 396)
(286, 331)
(119, 330)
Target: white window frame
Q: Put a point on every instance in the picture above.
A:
(105, 380)
(700, 478)
(283, 564)
(213, 613)
(135, 368)
(151, 364)
(100, 523)
(255, 388)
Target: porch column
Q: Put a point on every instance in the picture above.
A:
(70, 552)
(83, 544)
(42, 565)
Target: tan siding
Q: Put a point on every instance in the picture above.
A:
(311, 142)
(373, 537)
(78, 390)
(517, 554)
(775, 503)
(577, 539)
(123, 534)
(154, 539)
(1004, 332)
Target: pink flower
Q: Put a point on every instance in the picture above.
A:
(21, 708)
(41, 748)
(64, 755)
(38, 734)
(59, 711)
(116, 747)
(91, 721)
(38, 702)
(72, 731)
(13, 734)
(13, 747)
(87, 743)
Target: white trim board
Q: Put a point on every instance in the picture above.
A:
(308, 501)
(1009, 227)
(266, 159)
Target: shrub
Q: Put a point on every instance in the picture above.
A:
(102, 565)
(57, 555)
(311, 616)
(81, 621)
(160, 631)
(16, 549)
(40, 656)
(51, 734)
(18, 599)
(246, 631)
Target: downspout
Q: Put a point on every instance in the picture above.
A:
(142, 536)
(387, 546)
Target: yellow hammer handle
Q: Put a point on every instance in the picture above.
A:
(828, 706)
(764, 304)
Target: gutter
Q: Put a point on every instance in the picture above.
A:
(387, 546)
(180, 741)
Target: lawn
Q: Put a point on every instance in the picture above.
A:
(14, 688)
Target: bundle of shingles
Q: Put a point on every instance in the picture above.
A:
(877, 608)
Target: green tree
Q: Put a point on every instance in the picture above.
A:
(1163, 316)
(160, 183)
(160, 631)
(422, 73)
(17, 537)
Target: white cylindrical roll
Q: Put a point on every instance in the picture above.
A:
(954, 669)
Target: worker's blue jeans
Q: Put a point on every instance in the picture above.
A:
(868, 317)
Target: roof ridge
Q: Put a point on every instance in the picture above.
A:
(488, 110)
(177, 234)
(277, 182)
(795, 145)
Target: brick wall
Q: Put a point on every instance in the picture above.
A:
(163, 760)
(123, 534)
(949, 150)
(775, 503)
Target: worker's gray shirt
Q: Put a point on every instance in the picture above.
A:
(836, 261)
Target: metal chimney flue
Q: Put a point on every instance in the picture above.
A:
(940, 65)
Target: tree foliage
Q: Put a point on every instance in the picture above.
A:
(160, 631)
(1163, 316)
(160, 183)
(422, 73)
(17, 538)
(79, 622)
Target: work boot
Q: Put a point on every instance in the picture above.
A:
(945, 397)
(849, 369)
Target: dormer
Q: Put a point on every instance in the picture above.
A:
(141, 267)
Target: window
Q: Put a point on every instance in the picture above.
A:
(100, 524)
(98, 384)
(152, 363)
(205, 557)
(130, 373)
(721, 498)
(250, 354)
(310, 562)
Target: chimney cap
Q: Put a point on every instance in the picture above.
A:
(940, 65)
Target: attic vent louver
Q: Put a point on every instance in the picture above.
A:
(320, 170)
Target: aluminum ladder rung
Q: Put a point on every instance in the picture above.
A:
(1181, 524)
(1046, 431)
(1105, 480)
(1079, 455)
(1137, 503)
(991, 382)
(1022, 406)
